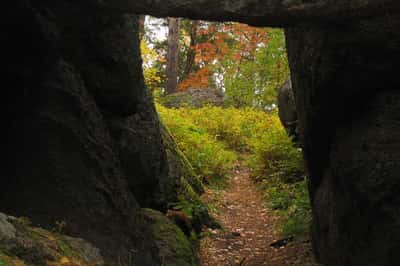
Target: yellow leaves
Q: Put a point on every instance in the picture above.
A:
(151, 74)
(149, 55)
(64, 260)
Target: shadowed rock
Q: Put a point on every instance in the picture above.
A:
(261, 12)
(287, 109)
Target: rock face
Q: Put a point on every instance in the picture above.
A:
(143, 157)
(287, 109)
(348, 103)
(262, 12)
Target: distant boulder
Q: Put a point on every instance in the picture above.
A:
(287, 110)
(194, 97)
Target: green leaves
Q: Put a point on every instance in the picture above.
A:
(209, 157)
(254, 82)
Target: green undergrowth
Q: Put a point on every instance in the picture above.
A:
(213, 139)
(278, 169)
(210, 158)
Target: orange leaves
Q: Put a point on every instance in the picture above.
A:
(222, 42)
(200, 79)
(205, 52)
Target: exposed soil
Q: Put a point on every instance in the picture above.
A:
(248, 229)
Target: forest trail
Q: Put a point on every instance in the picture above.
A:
(248, 229)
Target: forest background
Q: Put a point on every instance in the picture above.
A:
(245, 65)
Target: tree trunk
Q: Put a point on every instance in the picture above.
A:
(141, 22)
(192, 50)
(172, 55)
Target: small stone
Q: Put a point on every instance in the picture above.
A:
(236, 234)
(7, 230)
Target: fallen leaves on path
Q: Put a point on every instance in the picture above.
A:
(248, 230)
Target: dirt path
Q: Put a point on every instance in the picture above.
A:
(248, 229)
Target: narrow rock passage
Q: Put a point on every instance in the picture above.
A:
(248, 229)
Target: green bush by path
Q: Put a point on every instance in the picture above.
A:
(235, 127)
(291, 202)
(279, 170)
(209, 157)
(275, 156)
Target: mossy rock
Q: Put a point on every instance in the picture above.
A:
(173, 247)
(179, 166)
(189, 185)
(35, 246)
(6, 260)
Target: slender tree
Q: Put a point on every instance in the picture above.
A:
(172, 55)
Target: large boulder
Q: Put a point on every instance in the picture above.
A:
(347, 96)
(61, 167)
(80, 71)
(287, 109)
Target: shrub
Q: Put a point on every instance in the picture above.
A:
(234, 127)
(279, 169)
(275, 156)
(209, 157)
(291, 202)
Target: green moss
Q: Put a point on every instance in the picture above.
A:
(179, 164)
(189, 184)
(174, 247)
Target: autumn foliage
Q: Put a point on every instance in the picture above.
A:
(246, 64)
(220, 43)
